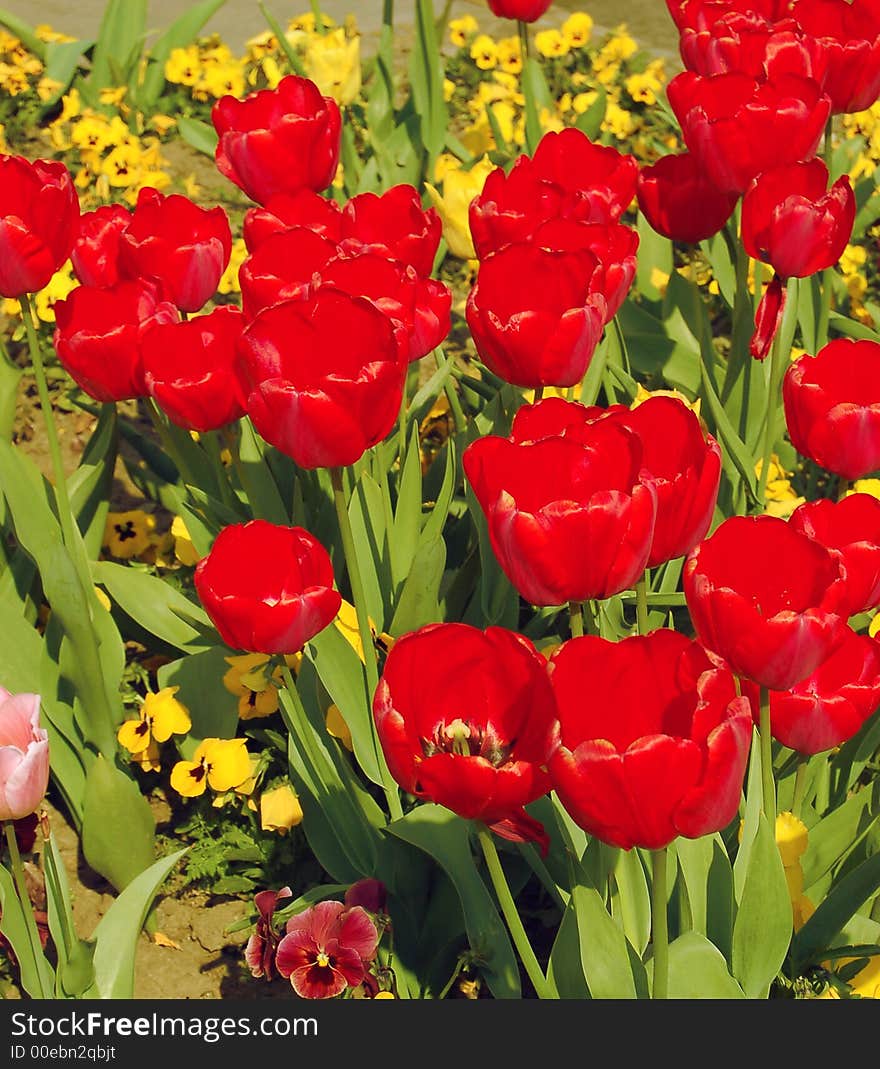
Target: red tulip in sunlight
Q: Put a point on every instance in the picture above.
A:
(702, 14)
(190, 369)
(324, 377)
(173, 241)
(99, 334)
(465, 719)
(684, 462)
(848, 33)
(24, 755)
(39, 217)
(523, 10)
(327, 949)
(832, 703)
(569, 504)
(832, 406)
(95, 253)
(395, 225)
(278, 140)
(536, 316)
(652, 741)
(852, 527)
(267, 588)
(569, 177)
(282, 211)
(767, 599)
(680, 202)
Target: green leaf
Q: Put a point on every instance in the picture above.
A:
(590, 121)
(631, 899)
(24, 32)
(366, 511)
(198, 134)
(419, 600)
(838, 833)
(256, 476)
(603, 947)
(120, 37)
(697, 970)
(213, 710)
(63, 60)
(655, 255)
(179, 34)
(445, 837)
(13, 925)
(426, 81)
(118, 827)
(117, 934)
(565, 971)
(10, 376)
(762, 929)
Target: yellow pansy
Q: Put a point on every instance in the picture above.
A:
(47, 88)
(484, 52)
(229, 279)
(643, 87)
(148, 760)
(161, 716)
(45, 33)
(577, 29)
(183, 66)
(60, 286)
(643, 395)
(127, 534)
(184, 550)
(306, 22)
(448, 89)
(510, 55)
(866, 983)
(122, 166)
(460, 186)
(780, 497)
(250, 679)
(551, 43)
(582, 102)
(333, 62)
(221, 764)
(619, 47)
(618, 122)
(336, 726)
(226, 79)
(866, 486)
(280, 809)
(461, 29)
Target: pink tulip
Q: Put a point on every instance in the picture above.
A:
(24, 755)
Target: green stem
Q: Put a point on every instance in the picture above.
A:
(777, 368)
(828, 273)
(214, 450)
(533, 120)
(65, 511)
(511, 914)
(766, 739)
(642, 604)
(366, 635)
(25, 902)
(800, 786)
(539, 394)
(842, 487)
(576, 618)
(591, 619)
(401, 433)
(659, 924)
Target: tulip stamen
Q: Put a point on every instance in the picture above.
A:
(467, 740)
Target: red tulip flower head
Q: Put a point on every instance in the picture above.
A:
(24, 755)
(849, 36)
(278, 140)
(173, 241)
(852, 527)
(267, 588)
(569, 505)
(327, 949)
(395, 225)
(304, 208)
(99, 333)
(652, 741)
(95, 253)
(749, 43)
(324, 377)
(832, 406)
(703, 14)
(190, 369)
(523, 10)
(465, 717)
(680, 202)
(39, 217)
(768, 600)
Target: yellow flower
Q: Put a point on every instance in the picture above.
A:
(584, 101)
(103, 600)
(618, 122)
(260, 45)
(577, 29)
(161, 716)
(448, 89)
(280, 809)
(484, 52)
(334, 64)
(162, 124)
(643, 395)
(780, 497)
(122, 166)
(459, 189)
(866, 983)
(621, 46)
(59, 287)
(47, 88)
(551, 43)
(225, 79)
(337, 727)
(221, 764)
(250, 680)
(347, 625)
(45, 33)
(148, 760)
(643, 87)
(509, 55)
(184, 550)
(127, 534)
(306, 22)
(801, 909)
(183, 66)
(229, 279)
(461, 29)
(866, 486)
(91, 133)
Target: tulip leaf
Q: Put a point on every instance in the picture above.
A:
(258, 482)
(631, 899)
(419, 599)
(117, 934)
(590, 121)
(446, 838)
(366, 510)
(213, 710)
(198, 134)
(655, 262)
(426, 81)
(13, 925)
(565, 971)
(697, 970)
(91, 483)
(120, 37)
(605, 958)
(852, 328)
(10, 376)
(762, 929)
(179, 34)
(24, 32)
(112, 792)
(407, 514)
(436, 521)
(838, 833)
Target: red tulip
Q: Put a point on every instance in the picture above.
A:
(278, 140)
(652, 741)
(680, 202)
(569, 506)
(395, 225)
(283, 267)
(327, 949)
(95, 253)
(703, 14)
(24, 755)
(535, 315)
(832, 407)
(832, 703)
(465, 719)
(792, 221)
(190, 369)
(175, 242)
(304, 208)
(267, 588)
(684, 462)
(767, 599)
(750, 43)
(737, 127)
(325, 377)
(851, 526)
(524, 10)
(39, 217)
(569, 177)
(848, 33)
(99, 332)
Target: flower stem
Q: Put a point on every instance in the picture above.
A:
(576, 618)
(642, 604)
(25, 902)
(800, 786)
(511, 914)
(828, 272)
(767, 781)
(539, 394)
(842, 487)
(777, 367)
(659, 924)
(533, 120)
